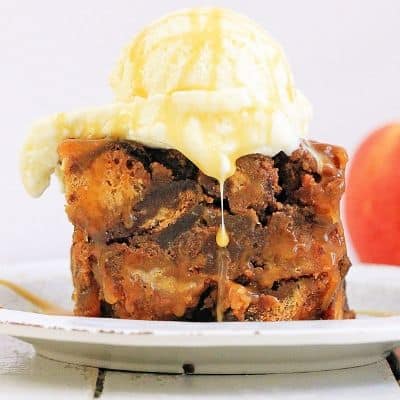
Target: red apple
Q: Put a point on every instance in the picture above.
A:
(373, 197)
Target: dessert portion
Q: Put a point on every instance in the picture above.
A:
(145, 225)
(195, 196)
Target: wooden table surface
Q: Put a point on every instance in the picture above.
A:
(24, 375)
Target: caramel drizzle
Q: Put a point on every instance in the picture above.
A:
(43, 305)
(211, 33)
(222, 237)
(222, 260)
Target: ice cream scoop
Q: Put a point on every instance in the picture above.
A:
(207, 82)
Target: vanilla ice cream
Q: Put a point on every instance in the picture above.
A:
(207, 82)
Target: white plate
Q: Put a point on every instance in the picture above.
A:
(215, 348)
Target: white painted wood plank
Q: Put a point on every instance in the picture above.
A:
(23, 375)
(370, 382)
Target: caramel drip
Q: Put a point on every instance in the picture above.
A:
(44, 306)
(222, 235)
(222, 261)
(222, 239)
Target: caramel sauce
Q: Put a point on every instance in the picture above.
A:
(222, 237)
(43, 305)
(195, 38)
(222, 261)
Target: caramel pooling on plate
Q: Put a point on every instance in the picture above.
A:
(44, 306)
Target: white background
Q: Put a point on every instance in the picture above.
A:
(57, 56)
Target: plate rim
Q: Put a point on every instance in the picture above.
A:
(166, 333)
